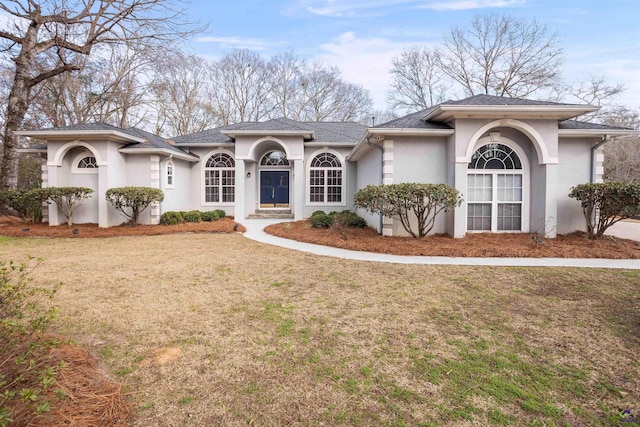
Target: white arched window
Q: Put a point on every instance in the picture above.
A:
(495, 189)
(170, 169)
(219, 179)
(326, 179)
(85, 163)
(274, 158)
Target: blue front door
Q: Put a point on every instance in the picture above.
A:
(274, 189)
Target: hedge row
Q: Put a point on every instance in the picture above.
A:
(175, 217)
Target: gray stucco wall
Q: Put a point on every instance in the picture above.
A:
(369, 172)
(574, 168)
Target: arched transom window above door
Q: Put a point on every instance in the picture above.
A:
(274, 158)
(495, 189)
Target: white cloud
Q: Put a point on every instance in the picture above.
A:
(344, 8)
(239, 42)
(364, 61)
(471, 4)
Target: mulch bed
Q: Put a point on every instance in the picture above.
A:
(15, 228)
(574, 245)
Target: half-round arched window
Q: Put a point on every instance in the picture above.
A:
(88, 162)
(495, 156)
(274, 158)
(219, 179)
(325, 179)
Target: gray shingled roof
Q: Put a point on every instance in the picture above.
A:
(576, 124)
(86, 126)
(414, 121)
(498, 100)
(152, 140)
(348, 132)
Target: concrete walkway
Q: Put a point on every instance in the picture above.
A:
(255, 231)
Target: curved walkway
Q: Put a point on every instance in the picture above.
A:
(255, 231)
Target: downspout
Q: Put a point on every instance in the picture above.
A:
(605, 138)
(369, 143)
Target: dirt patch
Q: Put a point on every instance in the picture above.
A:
(574, 245)
(11, 227)
(162, 357)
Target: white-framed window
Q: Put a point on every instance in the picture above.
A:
(274, 158)
(85, 162)
(326, 183)
(495, 190)
(219, 179)
(170, 174)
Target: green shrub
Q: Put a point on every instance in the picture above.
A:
(406, 200)
(315, 213)
(321, 220)
(221, 213)
(132, 201)
(347, 218)
(604, 204)
(193, 216)
(171, 218)
(210, 216)
(27, 204)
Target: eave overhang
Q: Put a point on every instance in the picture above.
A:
(445, 113)
(85, 135)
(164, 151)
(595, 133)
(266, 133)
(381, 133)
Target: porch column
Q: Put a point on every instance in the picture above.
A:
(460, 213)
(103, 205)
(238, 212)
(299, 189)
(52, 181)
(551, 200)
(387, 179)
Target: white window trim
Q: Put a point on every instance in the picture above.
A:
(526, 176)
(78, 158)
(343, 197)
(171, 165)
(287, 167)
(203, 170)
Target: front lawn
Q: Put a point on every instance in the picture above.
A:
(215, 329)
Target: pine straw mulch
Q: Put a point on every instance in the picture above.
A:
(82, 395)
(10, 226)
(518, 245)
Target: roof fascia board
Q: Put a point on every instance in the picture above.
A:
(586, 133)
(559, 112)
(204, 144)
(185, 156)
(79, 134)
(362, 146)
(234, 133)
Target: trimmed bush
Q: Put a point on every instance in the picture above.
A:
(171, 218)
(321, 220)
(209, 216)
(221, 213)
(403, 201)
(318, 213)
(67, 199)
(193, 216)
(604, 204)
(348, 219)
(132, 201)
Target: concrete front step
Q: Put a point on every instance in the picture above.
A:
(270, 214)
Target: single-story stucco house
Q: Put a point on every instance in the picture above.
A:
(513, 160)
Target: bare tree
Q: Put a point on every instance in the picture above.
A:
(286, 71)
(622, 155)
(179, 95)
(240, 87)
(502, 55)
(328, 97)
(418, 81)
(596, 91)
(48, 38)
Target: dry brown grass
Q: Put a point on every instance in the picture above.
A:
(219, 330)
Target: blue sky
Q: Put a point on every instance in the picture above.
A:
(361, 36)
